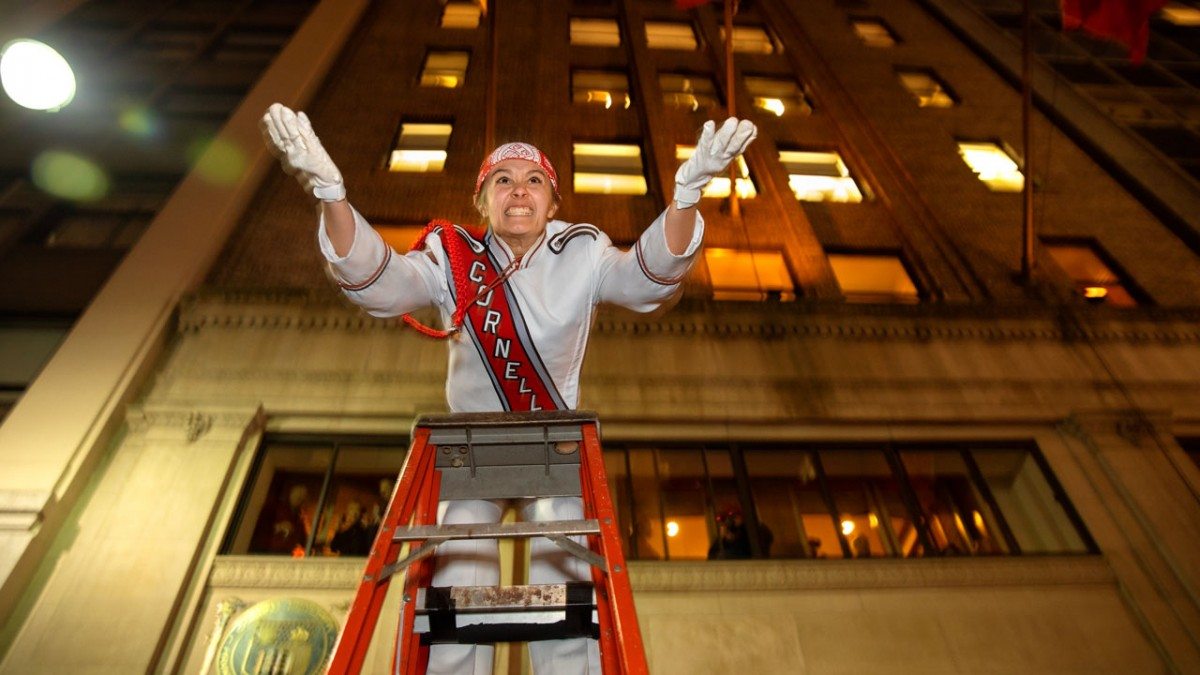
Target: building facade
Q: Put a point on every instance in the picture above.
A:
(930, 464)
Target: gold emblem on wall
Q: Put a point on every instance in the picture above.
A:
(283, 636)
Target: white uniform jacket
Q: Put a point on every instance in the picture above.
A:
(553, 294)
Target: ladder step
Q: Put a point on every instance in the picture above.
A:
(487, 614)
(497, 530)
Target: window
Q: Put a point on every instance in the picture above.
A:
(420, 147)
(874, 32)
(692, 92)
(24, 349)
(609, 168)
(777, 96)
(399, 237)
(595, 33)
(1181, 15)
(316, 497)
(604, 88)
(819, 176)
(664, 35)
(1095, 280)
(752, 40)
(992, 165)
(873, 277)
(461, 15)
(929, 91)
(84, 229)
(719, 186)
(748, 275)
(445, 69)
(829, 502)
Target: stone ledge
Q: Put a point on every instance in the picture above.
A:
(771, 575)
(739, 576)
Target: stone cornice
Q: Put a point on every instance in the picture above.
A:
(283, 572)
(308, 310)
(770, 575)
(740, 576)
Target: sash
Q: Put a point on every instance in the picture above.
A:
(497, 327)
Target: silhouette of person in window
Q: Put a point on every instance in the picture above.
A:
(733, 537)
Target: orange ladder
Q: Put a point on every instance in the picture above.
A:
(496, 456)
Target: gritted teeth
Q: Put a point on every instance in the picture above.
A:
(518, 211)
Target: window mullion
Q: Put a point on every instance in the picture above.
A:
(986, 491)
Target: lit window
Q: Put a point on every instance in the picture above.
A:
(993, 165)
(692, 92)
(595, 33)
(874, 32)
(445, 69)
(603, 88)
(819, 176)
(1094, 279)
(315, 497)
(751, 40)
(461, 15)
(748, 275)
(867, 277)
(928, 90)
(719, 186)
(399, 237)
(610, 169)
(663, 35)
(1181, 15)
(777, 96)
(421, 147)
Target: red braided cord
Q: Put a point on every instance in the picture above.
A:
(456, 255)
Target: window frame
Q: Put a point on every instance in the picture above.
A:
(877, 252)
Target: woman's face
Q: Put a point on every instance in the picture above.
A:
(520, 201)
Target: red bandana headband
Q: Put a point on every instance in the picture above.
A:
(523, 151)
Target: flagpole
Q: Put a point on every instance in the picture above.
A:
(1027, 147)
(734, 208)
(489, 132)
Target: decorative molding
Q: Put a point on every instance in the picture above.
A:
(21, 510)
(1133, 425)
(285, 573)
(193, 423)
(769, 575)
(231, 310)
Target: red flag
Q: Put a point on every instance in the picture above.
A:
(1125, 21)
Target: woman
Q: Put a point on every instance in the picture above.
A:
(518, 300)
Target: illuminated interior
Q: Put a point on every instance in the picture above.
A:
(777, 96)
(929, 92)
(1094, 280)
(819, 176)
(609, 168)
(751, 40)
(670, 35)
(461, 15)
(399, 237)
(421, 148)
(993, 166)
(445, 69)
(604, 88)
(595, 33)
(873, 32)
(873, 278)
(719, 186)
(691, 92)
(739, 274)
(1181, 15)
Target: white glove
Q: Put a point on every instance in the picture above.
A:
(714, 151)
(289, 136)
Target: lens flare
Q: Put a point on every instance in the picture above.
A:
(217, 161)
(67, 175)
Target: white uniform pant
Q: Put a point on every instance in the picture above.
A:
(475, 562)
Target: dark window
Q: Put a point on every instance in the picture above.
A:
(912, 501)
(316, 497)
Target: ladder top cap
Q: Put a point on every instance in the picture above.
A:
(508, 419)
